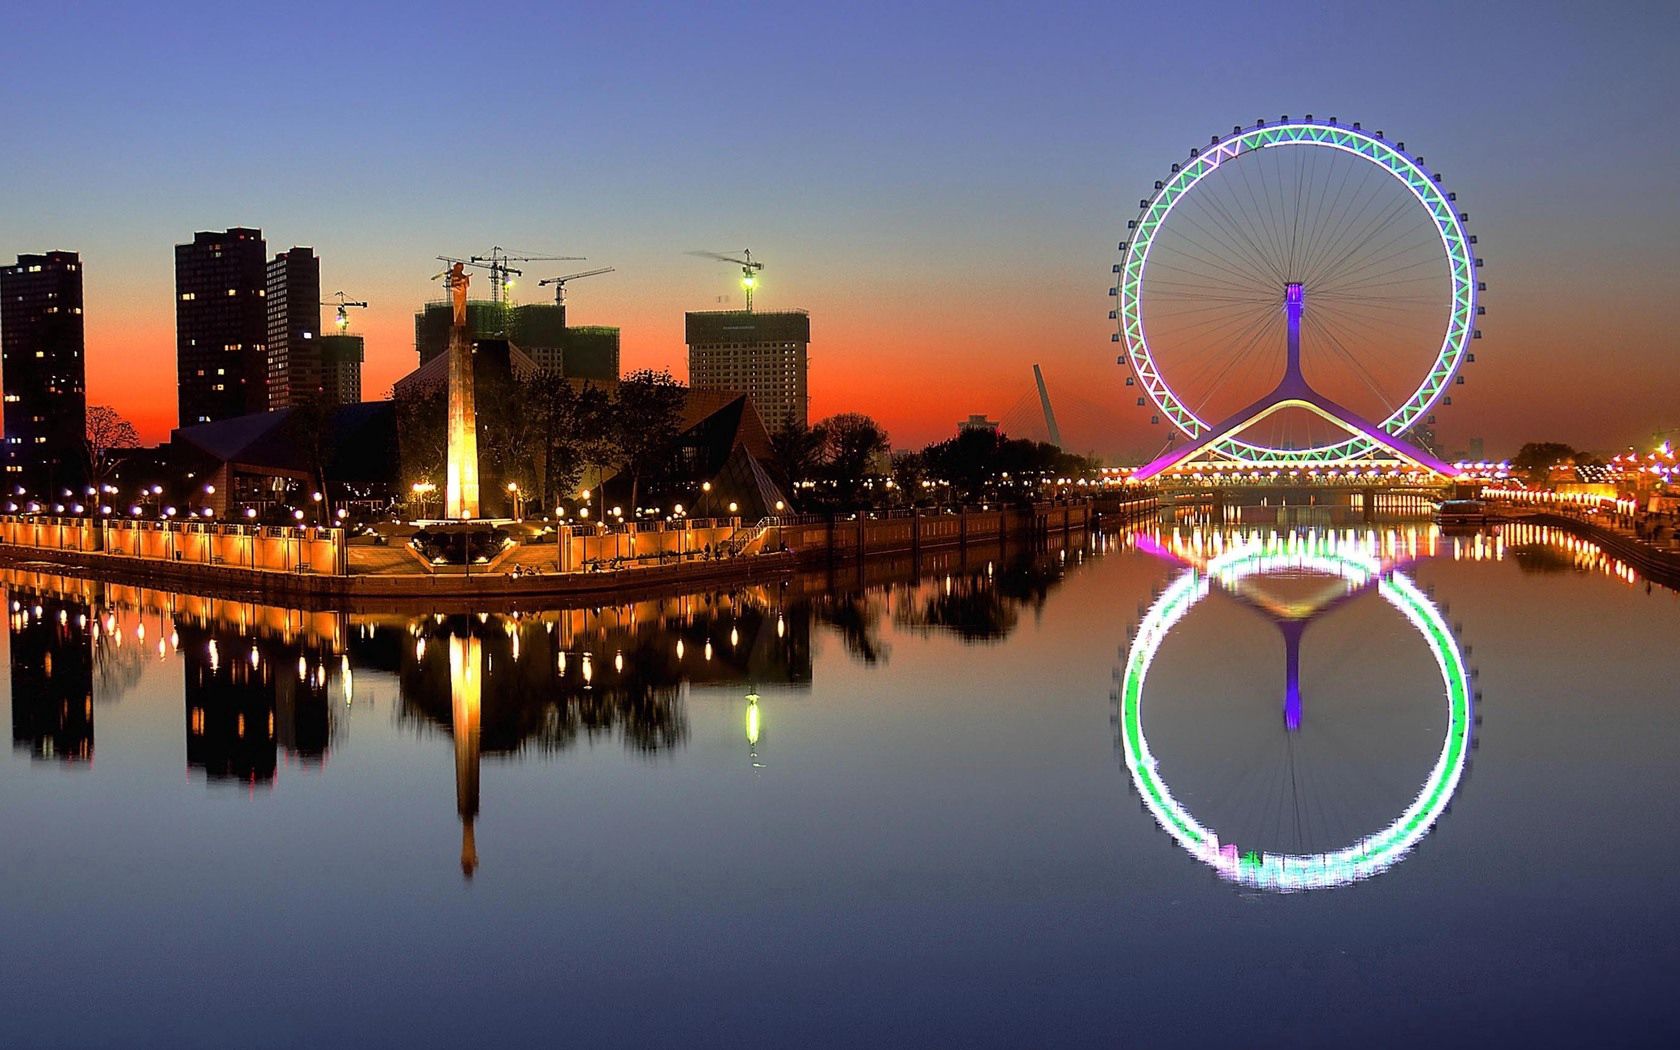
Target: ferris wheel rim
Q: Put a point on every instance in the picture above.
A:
(1367, 856)
(1420, 181)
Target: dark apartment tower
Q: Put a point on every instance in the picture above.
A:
(221, 325)
(341, 369)
(43, 369)
(294, 324)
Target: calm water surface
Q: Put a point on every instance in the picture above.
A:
(1150, 790)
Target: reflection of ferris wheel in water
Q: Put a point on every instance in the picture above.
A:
(1359, 570)
(1304, 240)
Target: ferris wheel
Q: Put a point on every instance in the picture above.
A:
(1307, 249)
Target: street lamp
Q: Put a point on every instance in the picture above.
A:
(513, 493)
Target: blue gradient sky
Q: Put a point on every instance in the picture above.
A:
(941, 185)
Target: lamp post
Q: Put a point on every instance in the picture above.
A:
(514, 495)
(251, 538)
(421, 490)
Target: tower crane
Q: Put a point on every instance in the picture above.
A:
(344, 303)
(500, 272)
(559, 283)
(749, 270)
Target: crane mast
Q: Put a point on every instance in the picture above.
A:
(749, 270)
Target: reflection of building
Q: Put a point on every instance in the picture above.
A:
(221, 325)
(247, 695)
(762, 355)
(52, 679)
(44, 371)
(293, 292)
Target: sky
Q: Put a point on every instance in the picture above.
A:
(942, 186)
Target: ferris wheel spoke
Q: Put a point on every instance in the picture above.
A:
(1241, 243)
(1401, 244)
(1303, 196)
(1259, 217)
(1387, 215)
(1274, 221)
(1387, 277)
(1385, 253)
(1322, 328)
(1246, 343)
(1188, 278)
(1323, 220)
(1211, 256)
(1347, 229)
(1236, 232)
(1245, 231)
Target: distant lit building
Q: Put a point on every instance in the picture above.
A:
(44, 369)
(537, 329)
(221, 325)
(292, 290)
(341, 368)
(978, 422)
(762, 355)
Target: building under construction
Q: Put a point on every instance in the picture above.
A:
(762, 355)
(538, 329)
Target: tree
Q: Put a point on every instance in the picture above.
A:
(647, 413)
(854, 443)
(908, 470)
(310, 427)
(107, 433)
(796, 451)
(571, 425)
(1535, 460)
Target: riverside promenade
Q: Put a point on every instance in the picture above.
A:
(319, 568)
(1658, 561)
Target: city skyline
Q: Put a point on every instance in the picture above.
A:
(869, 185)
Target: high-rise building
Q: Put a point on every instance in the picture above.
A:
(292, 290)
(761, 355)
(538, 329)
(221, 325)
(44, 371)
(341, 368)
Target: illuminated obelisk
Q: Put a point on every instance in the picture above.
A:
(461, 489)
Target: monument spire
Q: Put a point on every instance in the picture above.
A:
(461, 489)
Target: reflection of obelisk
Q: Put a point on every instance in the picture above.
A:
(461, 492)
(466, 659)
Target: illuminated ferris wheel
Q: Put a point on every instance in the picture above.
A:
(1307, 249)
